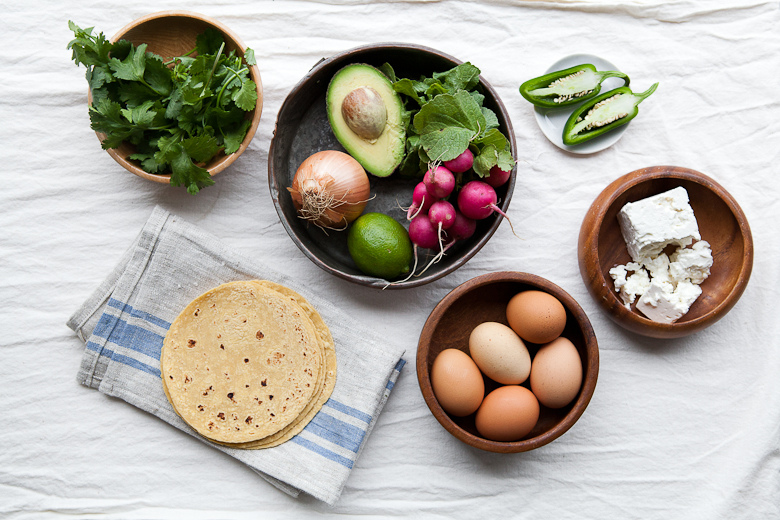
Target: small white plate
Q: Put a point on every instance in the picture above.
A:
(552, 120)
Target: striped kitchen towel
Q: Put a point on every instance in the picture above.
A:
(171, 262)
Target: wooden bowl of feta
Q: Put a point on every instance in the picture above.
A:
(666, 251)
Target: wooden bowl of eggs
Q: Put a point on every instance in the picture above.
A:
(666, 251)
(507, 362)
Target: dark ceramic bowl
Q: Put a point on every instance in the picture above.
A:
(485, 298)
(302, 129)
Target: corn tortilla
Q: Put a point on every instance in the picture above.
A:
(329, 374)
(245, 365)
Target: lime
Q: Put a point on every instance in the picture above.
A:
(380, 246)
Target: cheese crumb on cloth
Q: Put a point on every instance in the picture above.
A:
(171, 262)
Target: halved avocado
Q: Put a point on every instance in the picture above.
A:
(365, 114)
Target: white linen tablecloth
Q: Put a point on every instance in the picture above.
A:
(686, 428)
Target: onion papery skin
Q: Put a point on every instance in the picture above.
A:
(330, 189)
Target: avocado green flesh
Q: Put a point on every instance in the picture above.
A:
(379, 156)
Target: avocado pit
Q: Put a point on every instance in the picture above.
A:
(365, 112)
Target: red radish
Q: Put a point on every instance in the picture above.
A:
(422, 232)
(439, 182)
(477, 200)
(462, 228)
(461, 163)
(421, 201)
(497, 177)
(441, 215)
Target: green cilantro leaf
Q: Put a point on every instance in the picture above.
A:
(201, 147)
(132, 67)
(209, 41)
(88, 49)
(148, 162)
(99, 76)
(235, 136)
(106, 117)
(245, 97)
(249, 57)
(186, 173)
(157, 75)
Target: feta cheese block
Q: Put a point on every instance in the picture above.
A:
(664, 287)
(649, 225)
(664, 303)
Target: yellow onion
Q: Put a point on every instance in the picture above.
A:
(330, 189)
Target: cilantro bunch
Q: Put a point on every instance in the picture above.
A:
(444, 115)
(177, 114)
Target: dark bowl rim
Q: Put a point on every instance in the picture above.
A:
(591, 365)
(677, 329)
(370, 281)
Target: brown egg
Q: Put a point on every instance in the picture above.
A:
(556, 373)
(508, 413)
(457, 382)
(536, 316)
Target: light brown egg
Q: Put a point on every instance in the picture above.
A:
(508, 413)
(457, 382)
(556, 373)
(536, 316)
(499, 353)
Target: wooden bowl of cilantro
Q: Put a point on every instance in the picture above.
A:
(174, 97)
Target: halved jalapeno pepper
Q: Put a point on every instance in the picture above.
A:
(602, 114)
(568, 86)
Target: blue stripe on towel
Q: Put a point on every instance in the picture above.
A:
(154, 320)
(353, 412)
(129, 336)
(336, 431)
(125, 360)
(309, 445)
(398, 367)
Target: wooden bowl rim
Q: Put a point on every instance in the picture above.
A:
(617, 310)
(365, 280)
(591, 364)
(254, 72)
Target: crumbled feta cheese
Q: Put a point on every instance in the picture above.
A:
(630, 286)
(692, 264)
(636, 285)
(658, 267)
(665, 304)
(649, 225)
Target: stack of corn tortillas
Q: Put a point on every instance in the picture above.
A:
(248, 364)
